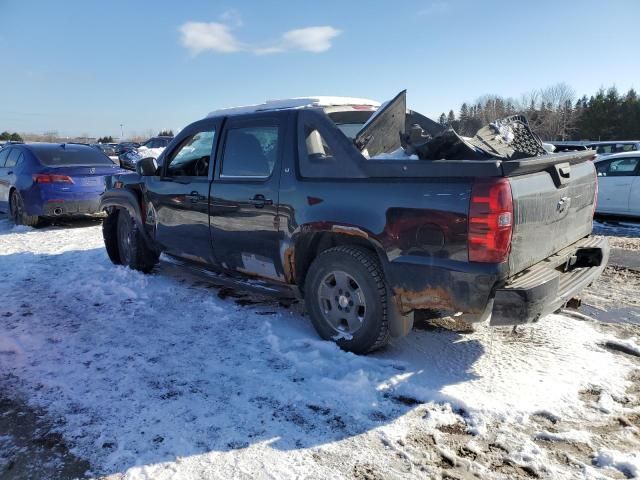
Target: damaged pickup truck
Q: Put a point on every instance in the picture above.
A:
(369, 212)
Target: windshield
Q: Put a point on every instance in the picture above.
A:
(57, 156)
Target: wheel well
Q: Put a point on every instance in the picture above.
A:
(313, 244)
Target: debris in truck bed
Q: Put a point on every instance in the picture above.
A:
(389, 130)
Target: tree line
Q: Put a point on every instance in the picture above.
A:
(555, 113)
(10, 137)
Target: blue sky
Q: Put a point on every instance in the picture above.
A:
(88, 66)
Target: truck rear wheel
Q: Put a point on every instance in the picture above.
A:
(132, 250)
(347, 298)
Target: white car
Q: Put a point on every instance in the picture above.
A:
(619, 184)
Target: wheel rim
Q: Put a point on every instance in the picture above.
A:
(16, 207)
(124, 237)
(342, 302)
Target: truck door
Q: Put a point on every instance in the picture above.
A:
(244, 196)
(178, 198)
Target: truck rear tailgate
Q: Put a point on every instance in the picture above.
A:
(552, 208)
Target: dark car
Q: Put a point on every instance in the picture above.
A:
(368, 225)
(130, 157)
(108, 149)
(52, 180)
(125, 146)
(569, 146)
(157, 142)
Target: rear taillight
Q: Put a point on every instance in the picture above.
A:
(490, 221)
(47, 178)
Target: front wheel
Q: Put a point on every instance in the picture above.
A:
(125, 244)
(17, 211)
(347, 298)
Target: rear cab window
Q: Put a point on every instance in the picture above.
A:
(325, 150)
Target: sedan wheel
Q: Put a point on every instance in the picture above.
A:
(17, 212)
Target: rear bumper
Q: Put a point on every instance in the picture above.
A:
(548, 285)
(70, 207)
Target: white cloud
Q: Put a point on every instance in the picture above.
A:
(311, 39)
(232, 18)
(216, 37)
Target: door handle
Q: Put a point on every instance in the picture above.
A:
(9, 173)
(259, 201)
(194, 197)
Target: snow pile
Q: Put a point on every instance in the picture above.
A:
(295, 103)
(621, 228)
(144, 152)
(156, 377)
(628, 464)
(399, 154)
(577, 436)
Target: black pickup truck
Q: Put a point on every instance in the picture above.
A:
(369, 213)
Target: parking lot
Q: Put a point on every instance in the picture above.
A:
(112, 373)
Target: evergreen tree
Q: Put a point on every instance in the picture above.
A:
(451, 120)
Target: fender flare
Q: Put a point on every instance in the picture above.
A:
(125, 199)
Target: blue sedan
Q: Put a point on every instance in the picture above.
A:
(51, 180)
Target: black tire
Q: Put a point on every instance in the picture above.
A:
(110, 236)
(360, 268)
(17, 213)
(132, 250)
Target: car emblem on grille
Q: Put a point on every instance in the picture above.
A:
(92, 170)
(563, 204)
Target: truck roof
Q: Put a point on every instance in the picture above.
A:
(295, 103)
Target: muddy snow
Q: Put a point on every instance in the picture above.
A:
(166, 376)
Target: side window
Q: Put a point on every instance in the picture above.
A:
(12, 159)
(4, 153)
(317, 148)
(324, 151)
(250, 151)
(604, 149)
(192, 157)
(623, 167)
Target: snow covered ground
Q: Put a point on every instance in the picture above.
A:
(165, 376)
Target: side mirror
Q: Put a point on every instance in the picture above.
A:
(147, 166)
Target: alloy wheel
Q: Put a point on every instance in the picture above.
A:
(342, 302)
